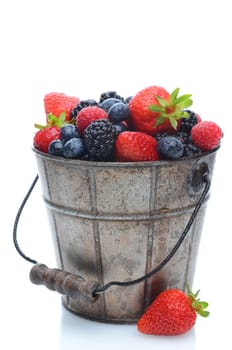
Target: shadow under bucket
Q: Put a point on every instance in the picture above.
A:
(117, 222)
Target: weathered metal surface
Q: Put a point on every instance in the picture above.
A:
(115, 221)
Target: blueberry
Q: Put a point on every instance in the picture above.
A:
(67, 132)
(56, 148)
(120, 127)
(74, 148)
(170, 147)
(118, 112)
(109, 102)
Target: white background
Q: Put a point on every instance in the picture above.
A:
(84, 48)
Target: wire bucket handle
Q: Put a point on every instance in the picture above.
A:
(75, 286)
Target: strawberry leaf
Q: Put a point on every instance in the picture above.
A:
(186, 103)
(174, 95)
(156, 108)
(197, 305)
(161, 101)
(173, 122)
(184, 114)
(178, 115)
(203, 304)
(39, 126)
(159, 120)
(62, 117)
(173, 109)
(182, 98)
(203, 313)
(53, 120)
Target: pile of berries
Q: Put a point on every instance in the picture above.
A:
(152, 125)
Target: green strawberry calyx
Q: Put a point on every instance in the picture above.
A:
(173, 110)
(53, 120)
(198, 305)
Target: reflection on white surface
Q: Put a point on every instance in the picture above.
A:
(82, 48)
(105, 336)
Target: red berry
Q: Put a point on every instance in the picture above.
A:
(135, 146)
(142, 118)
(56, 103)
(198, 118)
(44, 136)
(170, 314)
(206, 135)
(173, 312)
(88, 115)
(154, 110)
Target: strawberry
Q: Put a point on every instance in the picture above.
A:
(206, 135)
(135, 146)
(87, 115)
(154, 110)
(173, 312)
(56, 103)
(44, 136)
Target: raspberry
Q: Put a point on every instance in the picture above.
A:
(206, 135)
(87, 115)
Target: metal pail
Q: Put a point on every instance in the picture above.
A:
(117, 221)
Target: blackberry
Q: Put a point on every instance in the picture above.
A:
(183, 136)
(186, 124)
(127, 99)
(110, 94)
(191, 150)
(82, 104)
(161, 135)
(99, 139)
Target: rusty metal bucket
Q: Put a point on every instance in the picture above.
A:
(117, 222)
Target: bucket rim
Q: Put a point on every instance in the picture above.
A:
(121, 164)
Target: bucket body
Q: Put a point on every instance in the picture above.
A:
(118, 221)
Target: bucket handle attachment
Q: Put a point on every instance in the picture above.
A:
(64, 282)
(76, 286)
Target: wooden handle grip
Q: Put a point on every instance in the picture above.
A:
(64, 282)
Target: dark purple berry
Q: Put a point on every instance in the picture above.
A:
(82, 104)
(127, 99)
(110, 94)
(191, 150)
(99, 138)
(186, 124)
